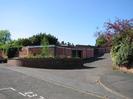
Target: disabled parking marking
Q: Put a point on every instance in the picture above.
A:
(31, 95)
(24, 94)
(21, 94)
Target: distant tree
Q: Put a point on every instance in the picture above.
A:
(69, 44)
(5, 36)
(62, 43)
(101, 39)
(23, 42)
(36, 39)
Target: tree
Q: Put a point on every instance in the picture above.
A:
(101, 40)
(120, 33)
(5, 36)
(23, 42)
(37, 39)
(45, 49)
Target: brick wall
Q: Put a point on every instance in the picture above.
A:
(68, 52)
(1, 54)
(60, 52)
(47, 62)
(63, 52)
(23, 52)
(101, 51)
(34, 51)
(88, 52)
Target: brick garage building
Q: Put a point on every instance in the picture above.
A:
(79, 51)
(105, 48)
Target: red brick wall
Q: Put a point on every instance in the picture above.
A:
(47, 62)
(68, 52)
(101, 50)
(23, 52)
(52, 52)
(84, 54)
(1, 55)
(87, 53)
(60, 52)
(34, 51)
(63, 52)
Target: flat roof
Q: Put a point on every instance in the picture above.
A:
(80, 47)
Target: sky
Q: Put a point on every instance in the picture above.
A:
(74, 21)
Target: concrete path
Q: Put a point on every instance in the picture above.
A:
(82, 80)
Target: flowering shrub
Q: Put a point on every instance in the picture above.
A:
(120, 33)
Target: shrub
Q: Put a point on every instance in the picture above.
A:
(122, 54)
(120, 34)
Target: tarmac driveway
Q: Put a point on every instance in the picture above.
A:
(85, 80)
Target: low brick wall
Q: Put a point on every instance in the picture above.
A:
(47, 63)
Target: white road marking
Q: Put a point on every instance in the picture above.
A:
(21, 94)
(30, 94)
(5, 88)
(41, 97)
(25, 94)
(13, 89)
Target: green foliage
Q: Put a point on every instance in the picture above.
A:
(100, 40)
(11, 47)
(5, 36)
(36, 40)
(45, 49)
(120, 34)
(52, 40)
(122, 55)
(122, 50)
(10, 50)
(23, 42)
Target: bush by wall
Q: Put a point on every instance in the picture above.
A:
(120, 34)
(122, 53)
(47, 62)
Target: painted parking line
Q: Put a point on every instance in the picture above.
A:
(28, 94)
(21, 94)
(13, 89)
(5, 88)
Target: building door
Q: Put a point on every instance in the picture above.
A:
(77, 53)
